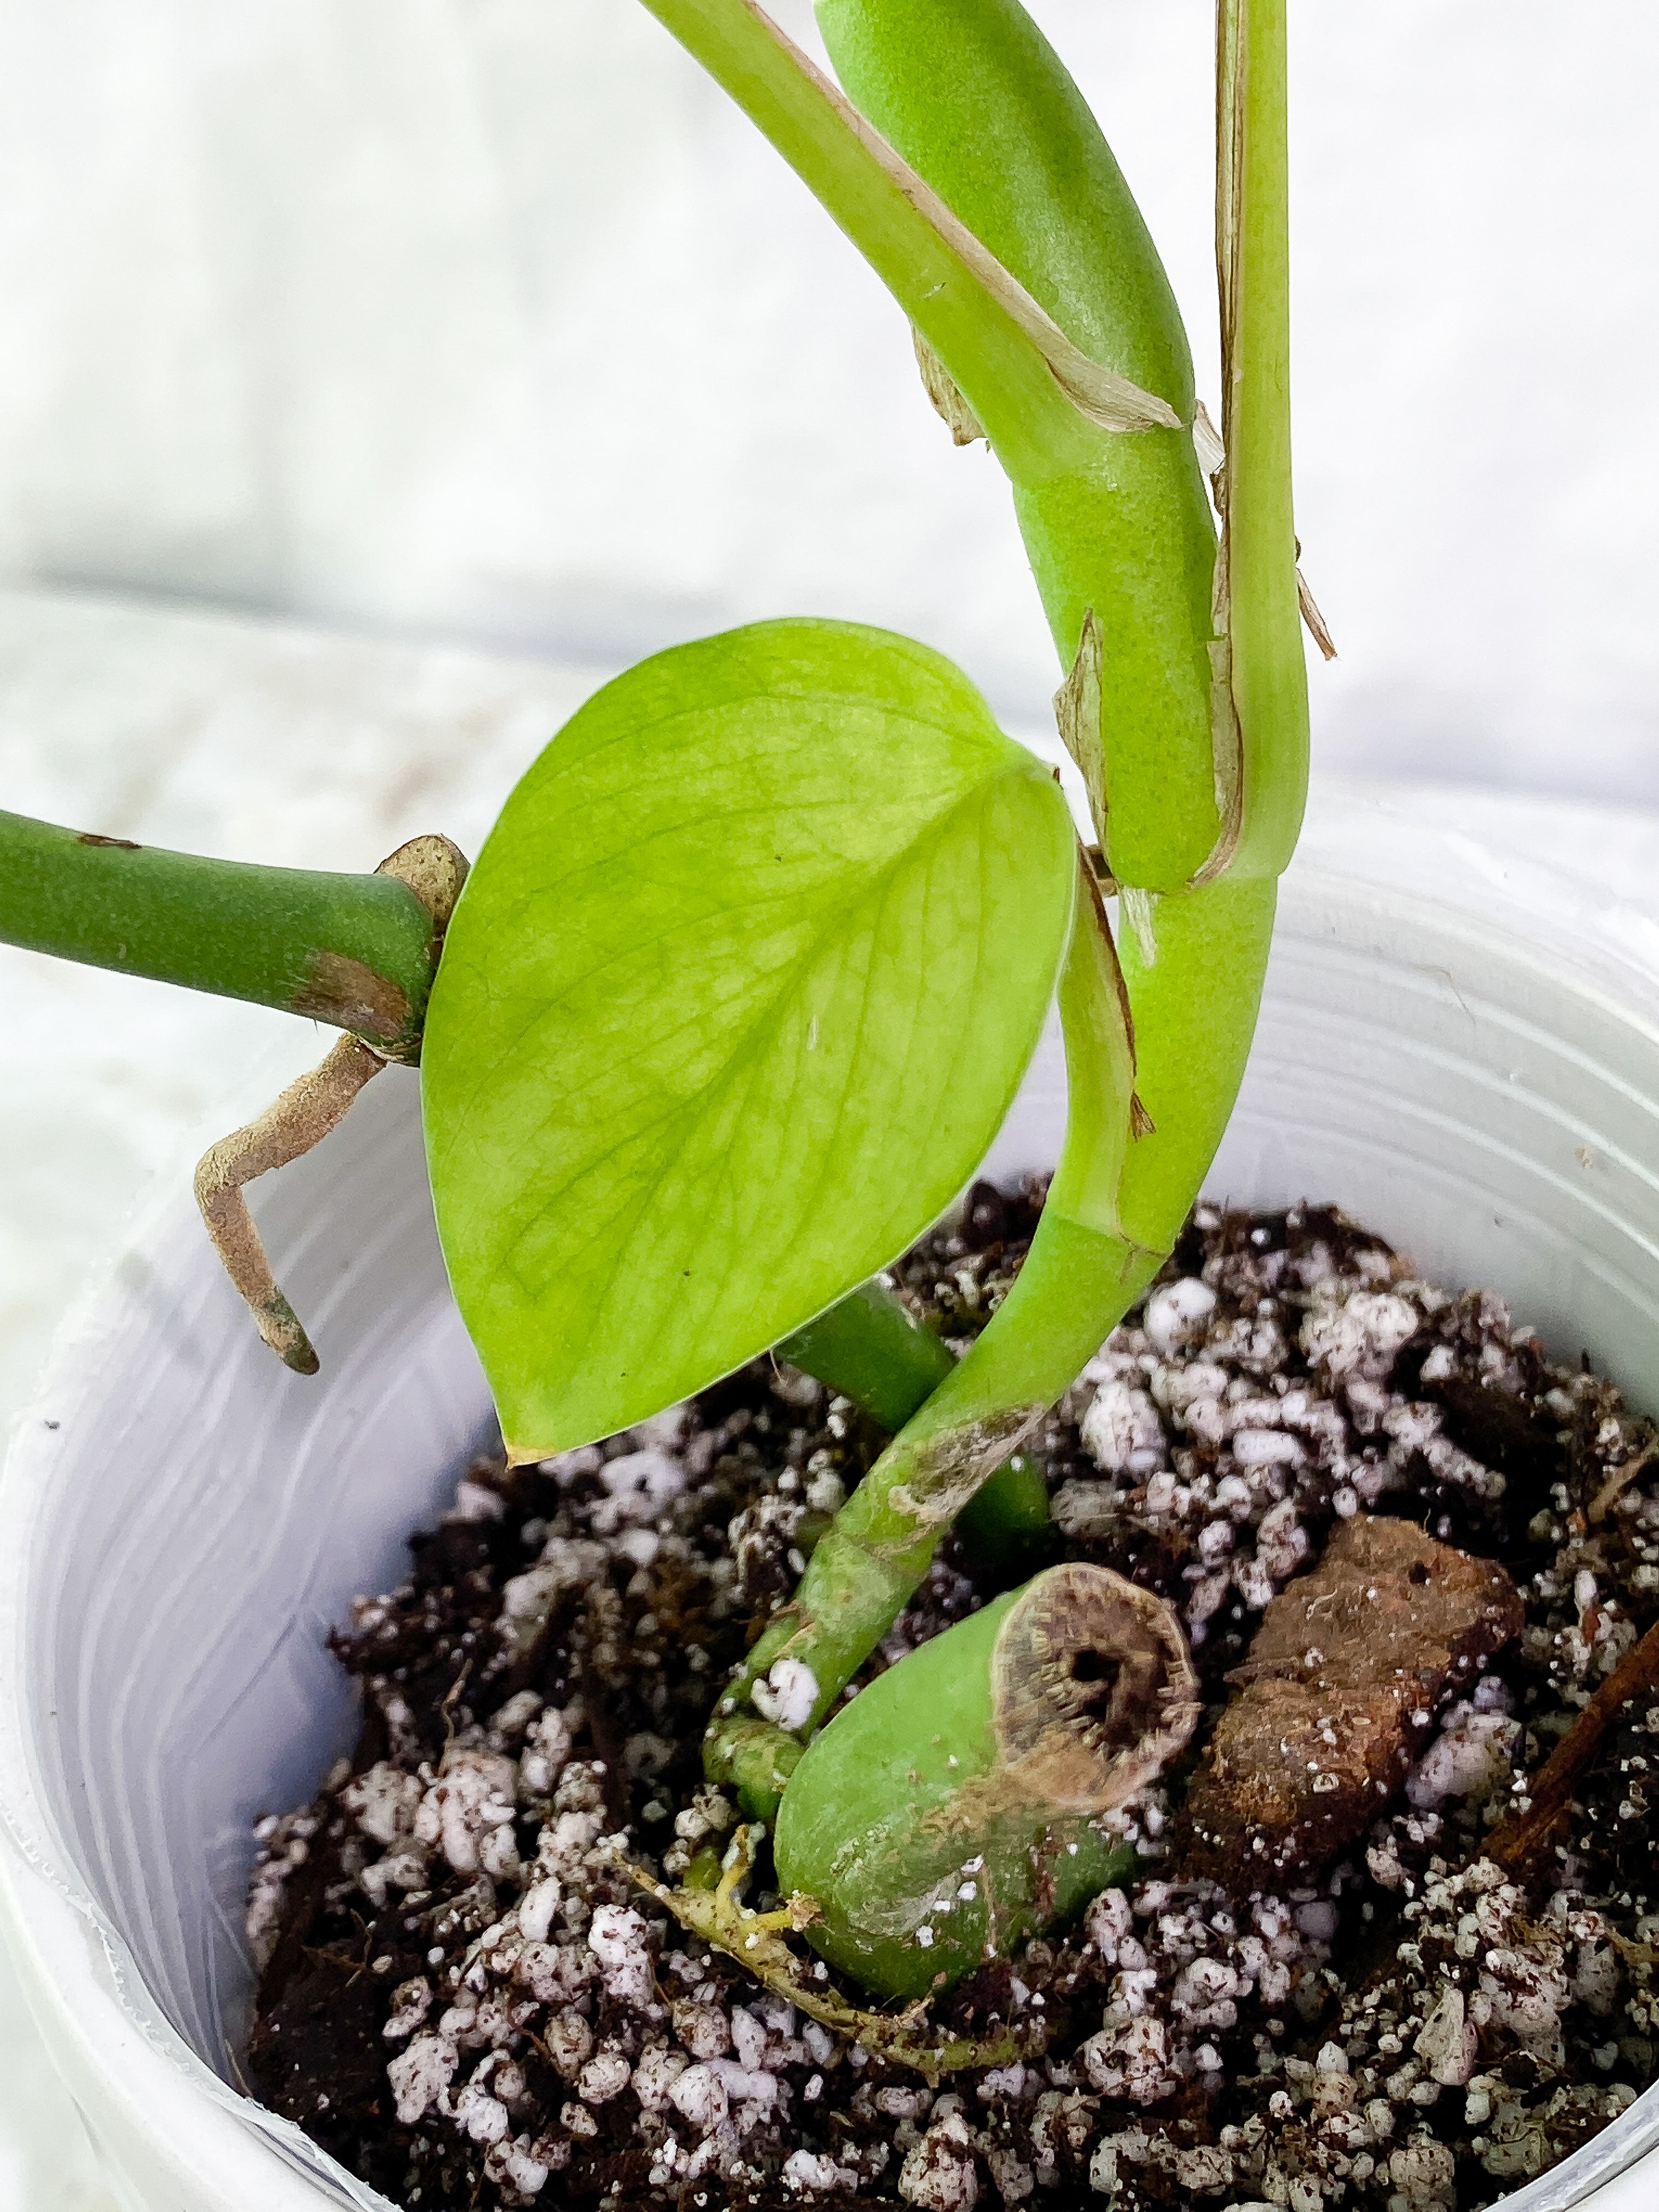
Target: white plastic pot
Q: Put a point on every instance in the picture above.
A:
(1463, 1054)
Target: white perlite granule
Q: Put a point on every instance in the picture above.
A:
(788, 1694)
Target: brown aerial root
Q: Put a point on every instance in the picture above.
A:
(1517, 1840)
(1620, 1480)
(756, 1941)
(302, 1116)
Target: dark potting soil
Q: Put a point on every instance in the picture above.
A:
(1325, 1991)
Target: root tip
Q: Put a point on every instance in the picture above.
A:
(281, 1327)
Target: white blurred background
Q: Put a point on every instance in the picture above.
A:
(486, 320)
(376, 375)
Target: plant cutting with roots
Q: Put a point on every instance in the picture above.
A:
(747, 975)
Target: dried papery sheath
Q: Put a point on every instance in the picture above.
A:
(949, 402)
(1080, 715)
(1139, 909)
(1317, 628)
(1211, 453)
(955, 1804)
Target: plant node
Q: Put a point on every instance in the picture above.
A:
(757, 1942)
(434, 870)
(957, 1803)
(949, 402)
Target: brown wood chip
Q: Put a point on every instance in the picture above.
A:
(1336, 1696)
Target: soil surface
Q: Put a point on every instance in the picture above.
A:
(1321, 1988)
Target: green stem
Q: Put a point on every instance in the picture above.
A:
(1115, 1207)
(870, 1349)
(356, 951)
(1269, 680)
(866, 1568)
(867, 1348)
(1196, 1001)
(1008, 1522)
(973, 95)
(797, 111)
(951, 289)
(1154, 1049)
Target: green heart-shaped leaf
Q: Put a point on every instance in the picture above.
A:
(737, 992)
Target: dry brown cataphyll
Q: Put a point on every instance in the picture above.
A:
(1388, 1938)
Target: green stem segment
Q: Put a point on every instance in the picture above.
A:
(1195, 1006)
(1260, 592)
(1008, 175)
(867, 1566)
(1115, 1208)
(1041, 390)
(867, 1348)
(973, 95)
(356, 951)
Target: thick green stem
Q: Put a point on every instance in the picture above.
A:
(976, 99)
(1195, 985)
(1000, 1740)
(866, 1568)
(1268, 668)
(356, 951)
(1115, 1208)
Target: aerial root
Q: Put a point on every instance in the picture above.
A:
(757, 1943)
(306, 1111)
(300, 1118)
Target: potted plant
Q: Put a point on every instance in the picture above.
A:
(744, 984)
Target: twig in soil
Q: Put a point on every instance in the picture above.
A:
(304, 1114)
(451, 1697)
(343, 1959)
(1519, 1838)
(1620, 1480)
(756, 1941)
